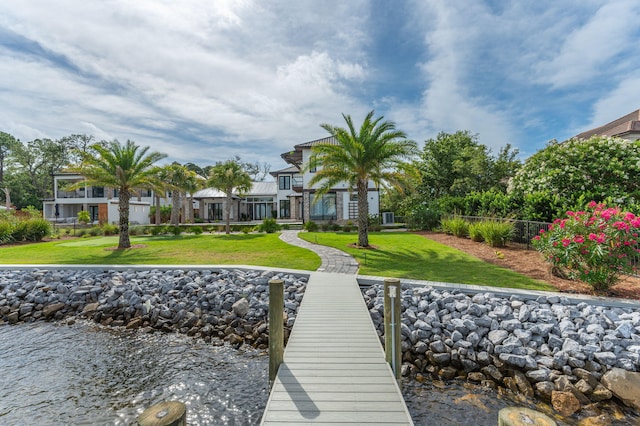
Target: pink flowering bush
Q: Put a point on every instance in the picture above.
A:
(595, 246)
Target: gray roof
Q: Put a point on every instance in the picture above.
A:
(295, 157)
(621, 127)
(258, 188)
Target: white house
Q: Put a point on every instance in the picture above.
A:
(339, 205)
(100, 202)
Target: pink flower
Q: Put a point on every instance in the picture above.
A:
(592, 204)
(566, 242)
(592, 236)
(537, 238)
(628, 216)
(578, 239)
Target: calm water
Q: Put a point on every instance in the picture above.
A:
(84, 375)
(88, 375)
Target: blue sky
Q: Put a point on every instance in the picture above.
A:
(205, 80)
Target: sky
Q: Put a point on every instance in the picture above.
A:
(203, 81)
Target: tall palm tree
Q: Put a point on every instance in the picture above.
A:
(226, 177)
(376, 152)
(125, 167)
(192, 183)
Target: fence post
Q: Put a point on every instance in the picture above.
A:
(276, 327)
(392, 345)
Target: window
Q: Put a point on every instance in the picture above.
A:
(324, 207)
(285, 209)
(284, 182)
(97, 192)
(215, 211)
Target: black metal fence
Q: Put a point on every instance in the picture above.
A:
(523, 230)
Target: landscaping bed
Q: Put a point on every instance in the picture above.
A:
(531, 264)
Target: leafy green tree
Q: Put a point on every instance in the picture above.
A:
(7, 144)
(456, 164)
(38, 161)
(227, 177)
(123, 166)
(594, 169)
(377, 152)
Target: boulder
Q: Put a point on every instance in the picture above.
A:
(625, 385)
(564, 403)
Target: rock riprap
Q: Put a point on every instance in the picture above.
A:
(229, 305)
(546, 346)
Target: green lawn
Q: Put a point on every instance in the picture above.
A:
(405, 255)
(250, 249)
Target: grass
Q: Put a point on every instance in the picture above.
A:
(404, 255)
(250, 249)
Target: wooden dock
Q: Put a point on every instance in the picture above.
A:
(334, 370)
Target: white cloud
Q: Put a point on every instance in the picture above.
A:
(615, 104)
(589, 48)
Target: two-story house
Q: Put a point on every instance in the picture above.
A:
(298, 198)
(99, 201)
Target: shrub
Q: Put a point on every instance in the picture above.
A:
(475, 232)
(324, 227)
(176, 230)
(335, 227)
(456, 226)
(196, 230)
(423, 216)
(594, 245)
(37, 229)
(285, 226)
(6, 232)
(494, 233)
(20, 230)
(269, 225)
(94, 231)
(84, 217)
(156, 230)
(109, 229)
(311, 226)
(347, 228)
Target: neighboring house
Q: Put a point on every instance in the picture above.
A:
(627, 127)
(100, 202)
(257, 204)
(339, 205)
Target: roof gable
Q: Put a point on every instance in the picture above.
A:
(629, 123)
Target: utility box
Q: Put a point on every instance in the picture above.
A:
(388, 218)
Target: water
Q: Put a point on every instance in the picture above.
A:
(83, 374)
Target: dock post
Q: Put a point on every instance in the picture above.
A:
(392, 307)
(167, 413)
(276, 327)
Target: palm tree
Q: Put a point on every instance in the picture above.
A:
(125, 167)
(226, 177)
(376, 152)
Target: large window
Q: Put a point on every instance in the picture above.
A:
(284, 182)
(215, 211)
(285, 209)
(324, 207)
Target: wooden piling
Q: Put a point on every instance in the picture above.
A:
(276, 327)
(392, 349)
(167, 413)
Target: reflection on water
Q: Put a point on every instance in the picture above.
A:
(88, 375)
(82, 374)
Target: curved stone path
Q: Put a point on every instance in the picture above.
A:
(333, 260)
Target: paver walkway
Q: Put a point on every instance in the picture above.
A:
(333, 260)
(334, 370)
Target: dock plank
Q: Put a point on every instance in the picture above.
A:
(334, 371)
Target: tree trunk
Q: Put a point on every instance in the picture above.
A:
(158, 215)
(227, 213)
(123, 208)
(363, 213)
(192, 214)
(175, 207)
